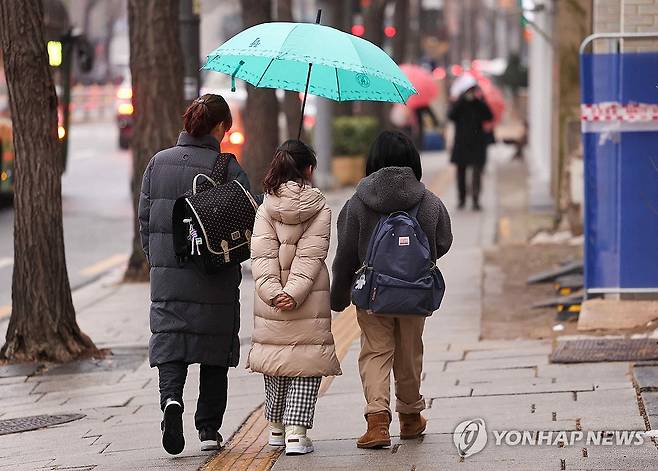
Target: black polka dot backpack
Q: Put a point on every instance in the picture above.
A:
(213, 222)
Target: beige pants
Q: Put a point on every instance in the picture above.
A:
(389, 342)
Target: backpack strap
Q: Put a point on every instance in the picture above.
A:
(371, 244)
(413, 212)
(220, 170)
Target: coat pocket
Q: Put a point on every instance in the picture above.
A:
(394, 296)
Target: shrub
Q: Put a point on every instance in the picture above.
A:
(352, 135)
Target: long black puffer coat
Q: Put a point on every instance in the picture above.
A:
(195, 318)
(471, 140)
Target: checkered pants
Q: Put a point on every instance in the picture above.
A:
(291, 400)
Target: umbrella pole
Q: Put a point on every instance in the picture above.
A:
(308, 79)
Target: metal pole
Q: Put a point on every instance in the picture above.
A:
(67, 64)
(189, 39)
(540, 93)
(308, 79)
(322, 137)
(593, 37)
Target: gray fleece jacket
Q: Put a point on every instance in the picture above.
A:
(385, 191)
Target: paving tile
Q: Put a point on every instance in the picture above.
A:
(646, 377)
(505, 389)
(518, 344)
(16, 390)
(497, 364)
(12, 380)
(585, 371)
(19, 369)
(650, 400)
(474, 376)
(433, 390)
(508, 353)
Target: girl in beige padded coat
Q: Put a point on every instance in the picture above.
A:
(292, 344)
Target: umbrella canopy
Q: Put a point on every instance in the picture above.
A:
(345, 67)
(494, 98)
(424, 84)
(462, 84)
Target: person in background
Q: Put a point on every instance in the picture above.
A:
(392, 183)
(195, 318)
(292, 343)
(469, 112)
(420, 113)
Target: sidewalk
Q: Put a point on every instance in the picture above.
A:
(118, 395)
(507, 383)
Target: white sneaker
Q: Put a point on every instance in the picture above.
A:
(277, 434)
(210, 439)
(297, 443)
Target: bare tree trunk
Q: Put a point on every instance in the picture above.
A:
(373, 19)
(261, 121)
(156, 65)
(113, 11)
(401, 40)
(86, 16)
(42, 324)
(415, 14)
(291, 104)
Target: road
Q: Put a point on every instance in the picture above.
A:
(97, 209)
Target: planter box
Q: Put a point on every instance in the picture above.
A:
(348, 170)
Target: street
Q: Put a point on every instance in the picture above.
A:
(97, 209)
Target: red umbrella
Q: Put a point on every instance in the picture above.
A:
(493, 96)
(424, 84)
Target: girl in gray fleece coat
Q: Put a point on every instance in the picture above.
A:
(392, 183)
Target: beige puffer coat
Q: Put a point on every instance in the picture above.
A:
(288, 251)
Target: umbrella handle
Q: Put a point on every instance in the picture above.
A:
(240, 64)
(308, 79)
(301, 118)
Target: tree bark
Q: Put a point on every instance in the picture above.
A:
(261, 121)
(401, 20)
(344, 18)
(42, 326)
(156, 65)
(373, 19)
(291, 103)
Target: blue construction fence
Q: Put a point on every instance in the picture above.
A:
(619, 116)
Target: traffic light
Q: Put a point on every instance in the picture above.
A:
(55, 53)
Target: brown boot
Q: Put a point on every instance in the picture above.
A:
(377, 435)
(412, 426)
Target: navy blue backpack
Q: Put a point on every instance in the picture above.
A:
(399, 276)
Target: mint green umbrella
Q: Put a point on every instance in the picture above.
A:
(314, 59)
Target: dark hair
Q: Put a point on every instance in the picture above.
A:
(393, 149)
(205, 113)
(290, 160)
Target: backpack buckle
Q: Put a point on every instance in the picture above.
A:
(225, 249)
